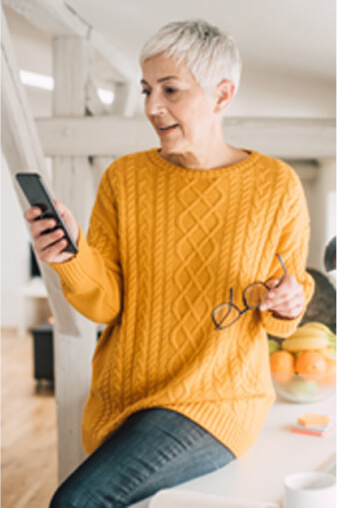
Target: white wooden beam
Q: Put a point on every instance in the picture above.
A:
(99, 165)
(21, 146)
(126, 99)
(58, 19)
(105, 135)
(51, 16)
(72, 342)
(297, 138)
(72, 176)
(73, 183)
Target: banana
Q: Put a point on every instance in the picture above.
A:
(311, 336)
(308, 332)
(318, 326)
(295, 344)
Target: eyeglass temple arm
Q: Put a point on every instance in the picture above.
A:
(279, 257)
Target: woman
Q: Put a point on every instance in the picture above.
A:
(174, 233)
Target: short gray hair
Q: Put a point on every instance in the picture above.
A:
(210, 54)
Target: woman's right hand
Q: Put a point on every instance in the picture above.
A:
(49, 246)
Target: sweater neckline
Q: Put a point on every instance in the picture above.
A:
(157, 160)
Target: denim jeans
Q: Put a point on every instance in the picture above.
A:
(154, 449)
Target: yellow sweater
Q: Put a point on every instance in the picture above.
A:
(164, 247)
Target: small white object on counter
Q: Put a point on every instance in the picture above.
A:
(310, 490)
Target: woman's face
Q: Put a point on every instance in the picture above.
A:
(176, 105)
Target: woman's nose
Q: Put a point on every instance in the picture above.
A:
(155, 105)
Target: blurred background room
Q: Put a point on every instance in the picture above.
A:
(71, 104)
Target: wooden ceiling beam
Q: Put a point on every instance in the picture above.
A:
(104, 135)
(58, 19)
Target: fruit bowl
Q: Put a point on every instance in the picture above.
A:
(303, 366)
(295, 388)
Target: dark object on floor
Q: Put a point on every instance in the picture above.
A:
(43, 354)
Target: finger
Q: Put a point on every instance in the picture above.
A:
(61, 208)
(289, 285)
(37, 228)
(288, 314)
(273, 283)
(44, 241)
(287, 306)
(32, 213)
(284, 304)
(54, 253)
(283, 294)
(283, 300)
(69, 220)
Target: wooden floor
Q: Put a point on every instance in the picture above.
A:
(28, 419)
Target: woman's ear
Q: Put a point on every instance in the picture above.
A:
(224, 94)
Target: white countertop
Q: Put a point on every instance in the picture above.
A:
(258, 475)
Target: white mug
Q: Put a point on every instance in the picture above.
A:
(310, 490)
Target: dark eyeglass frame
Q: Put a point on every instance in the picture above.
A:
(247, 307)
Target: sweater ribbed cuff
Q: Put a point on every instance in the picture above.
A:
(279, 327)
(73, 271)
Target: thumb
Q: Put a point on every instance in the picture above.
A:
(273, 283)
(61, 207)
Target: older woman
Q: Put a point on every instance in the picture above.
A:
(179, 239)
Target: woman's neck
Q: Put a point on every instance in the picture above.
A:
(223, 156)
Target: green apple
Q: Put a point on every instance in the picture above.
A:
(301, 388)
(273, 346)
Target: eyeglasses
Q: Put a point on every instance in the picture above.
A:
(226, 314)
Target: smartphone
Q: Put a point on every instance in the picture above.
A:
(37, 194)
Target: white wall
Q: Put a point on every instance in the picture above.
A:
(323, 211)
(14, 250)
(274, 94)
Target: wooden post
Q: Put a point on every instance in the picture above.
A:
(73, 181)
(72, 176)
(74, 336)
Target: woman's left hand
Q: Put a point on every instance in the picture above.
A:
(285, 301)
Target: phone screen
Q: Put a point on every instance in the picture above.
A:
(38, 195)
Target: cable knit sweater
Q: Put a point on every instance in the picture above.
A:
(164, 247)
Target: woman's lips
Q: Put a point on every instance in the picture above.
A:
(166, 129)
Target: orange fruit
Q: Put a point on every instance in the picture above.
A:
(311, 363)
(282, 365)
(329, 379)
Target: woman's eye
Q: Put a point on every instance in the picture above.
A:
(170, 90)
(145, 91)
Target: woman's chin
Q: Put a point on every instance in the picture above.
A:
(170, 148)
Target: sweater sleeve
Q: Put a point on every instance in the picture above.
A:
(293, 247)
(92, 280)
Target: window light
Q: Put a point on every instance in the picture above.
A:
(106, 96)
(37, 80)
(45, 82)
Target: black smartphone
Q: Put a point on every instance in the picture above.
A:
(37, 194)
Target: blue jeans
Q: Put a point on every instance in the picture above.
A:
(154, 449)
